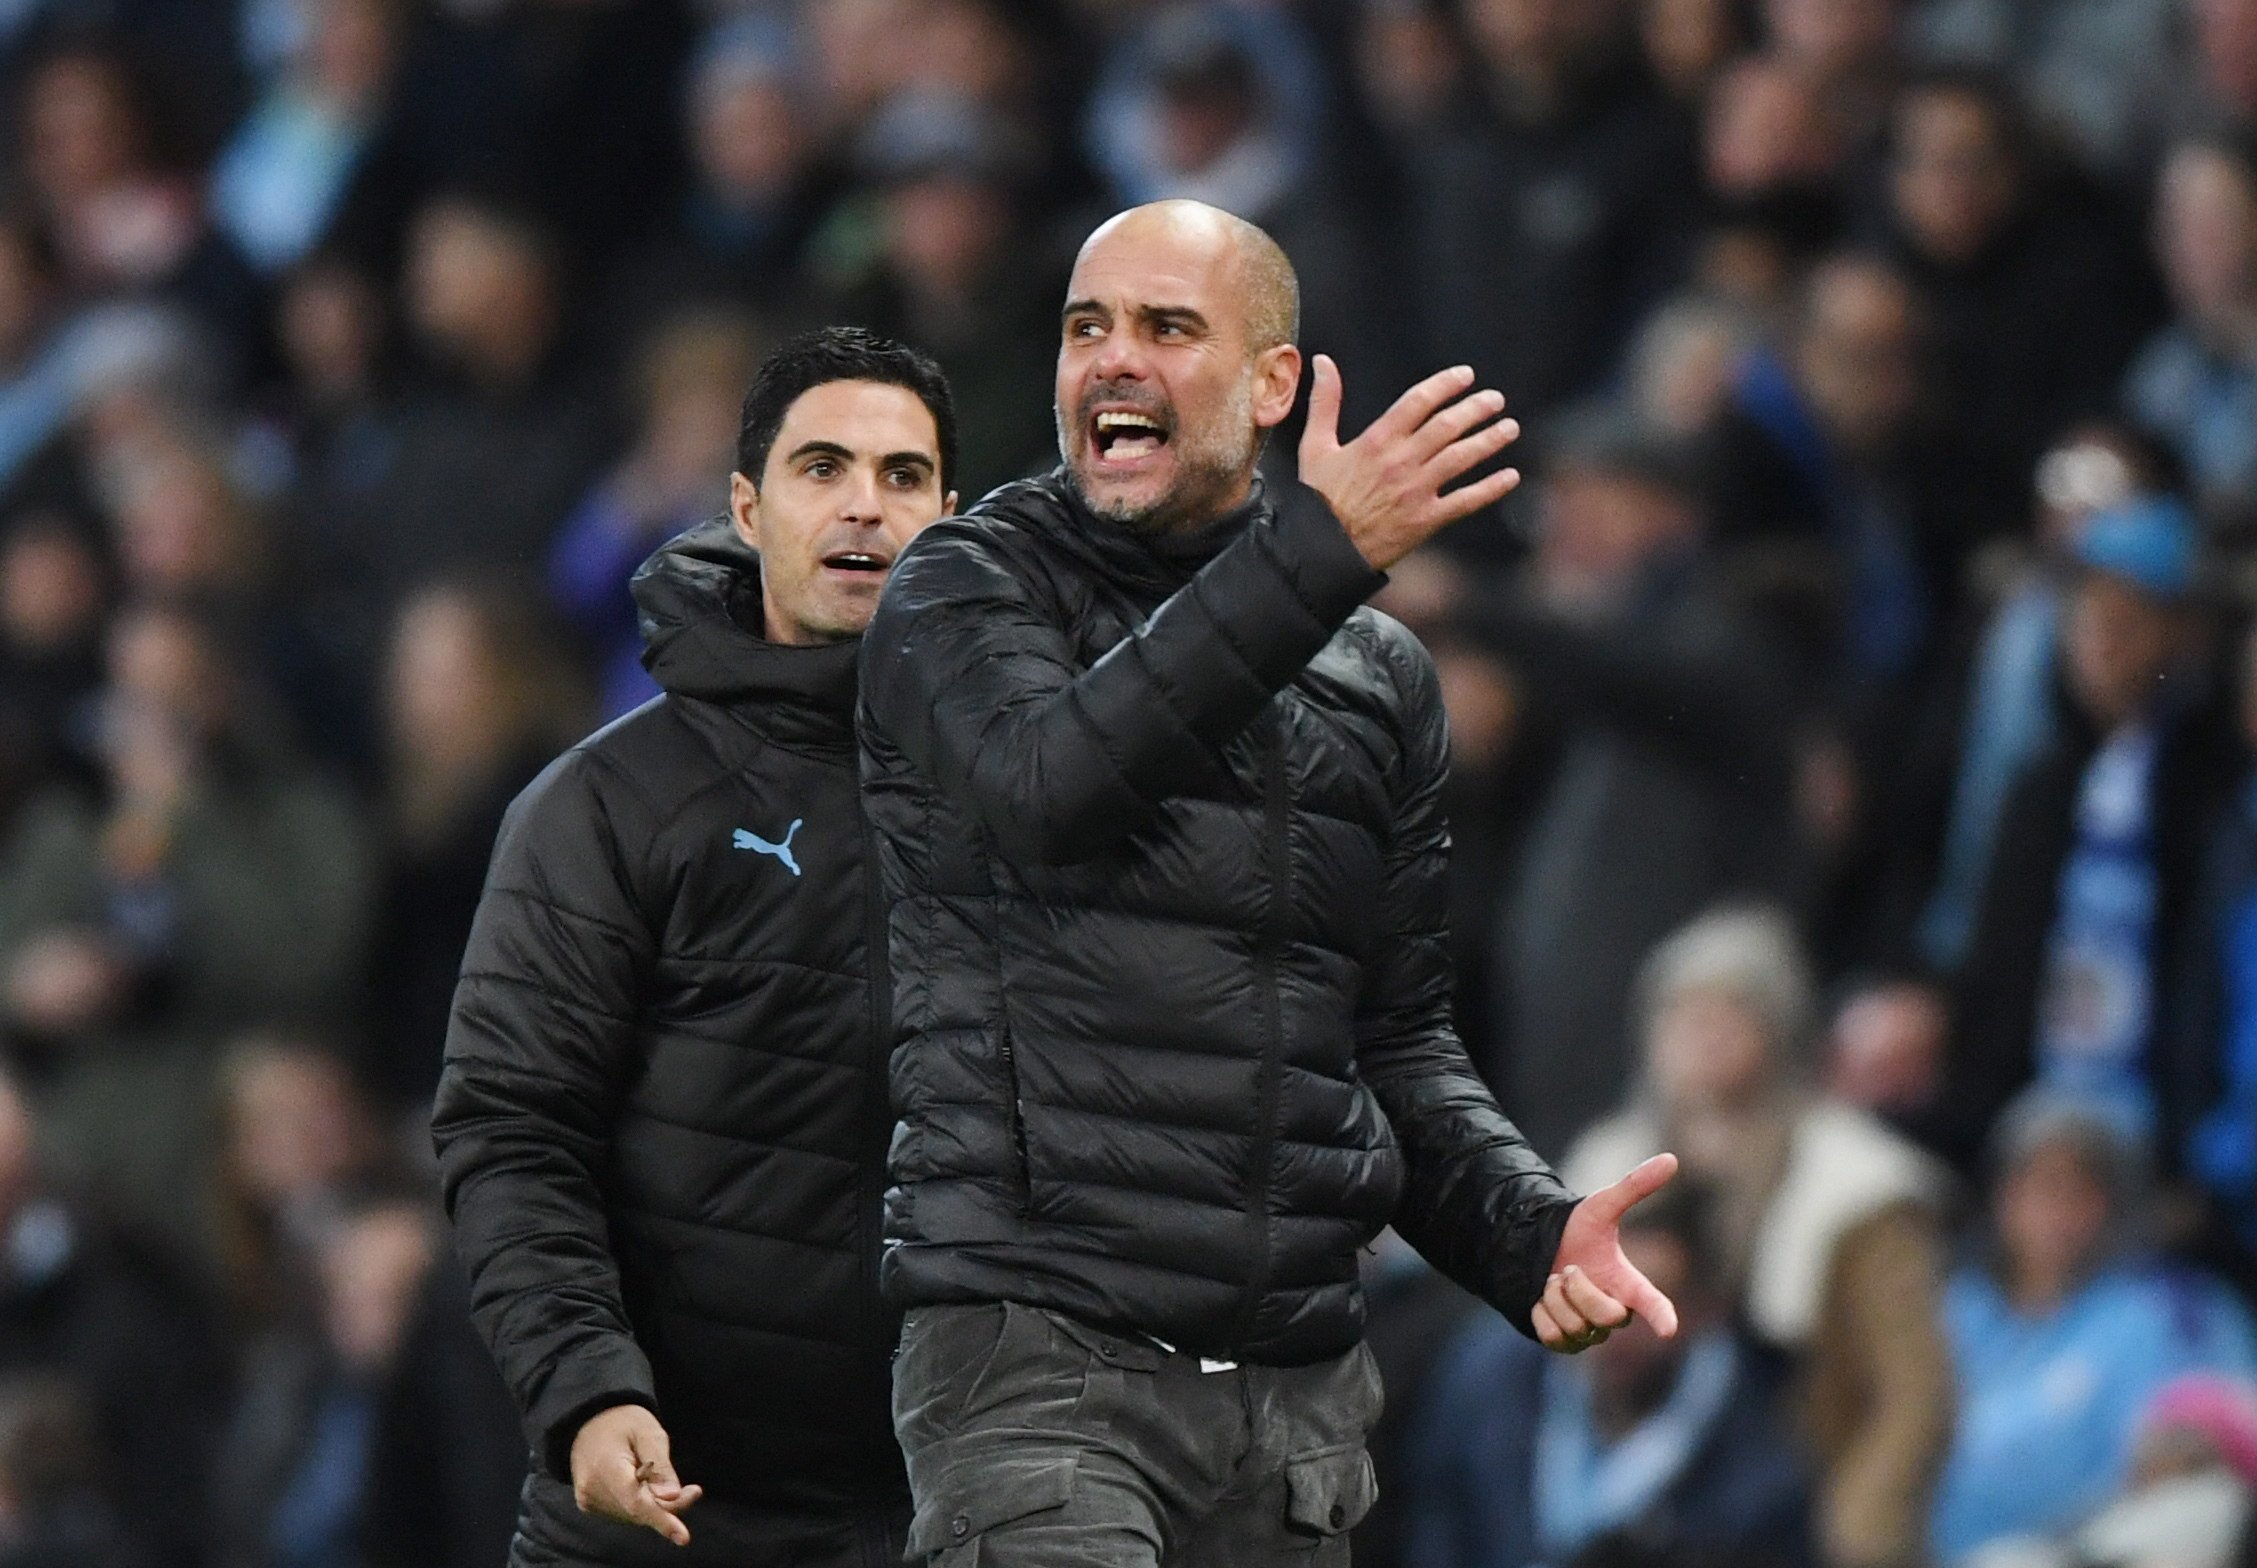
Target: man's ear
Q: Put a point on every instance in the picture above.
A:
(1277, 381)
(948, 507)
(744, 509)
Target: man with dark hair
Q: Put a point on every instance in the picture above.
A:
(1156, 809)
(663, 1115)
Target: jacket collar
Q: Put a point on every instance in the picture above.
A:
(1164, 562)
(697, 604)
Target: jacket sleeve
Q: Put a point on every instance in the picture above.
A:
(973, 680)
(539, 1052)
(1479, 1203)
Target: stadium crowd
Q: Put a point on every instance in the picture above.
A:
(1854, 717)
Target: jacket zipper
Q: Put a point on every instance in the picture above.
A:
(1015, 1116)
(1269, 953)
(878, 1100)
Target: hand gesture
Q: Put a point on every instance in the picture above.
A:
(1593, 1289)
(623, 1469)
(1386, 486)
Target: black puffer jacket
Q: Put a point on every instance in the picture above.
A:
(662, 1118)
(1160, 837)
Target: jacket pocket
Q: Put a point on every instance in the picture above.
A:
(978, 1495)
(1329, 1492)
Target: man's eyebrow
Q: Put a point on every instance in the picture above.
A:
(820, 449)
(908, 460)
(1177, 315)
(1082, 307)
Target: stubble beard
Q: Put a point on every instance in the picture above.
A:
(1210, 470)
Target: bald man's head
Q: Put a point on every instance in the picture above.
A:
(1269, 289)
(1175, 360)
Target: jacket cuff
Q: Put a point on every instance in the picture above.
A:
(614, 1372)
(1318, 560)
(1531, 1246)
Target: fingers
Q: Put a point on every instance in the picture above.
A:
(1548, 1332)
(1595, 1306)
(1488, 490)
(1321, 431)
(1415, 407)
(1471, 451)
(649, 1512)
(1574, 1313)
(1468, 413)
(1609, 1204)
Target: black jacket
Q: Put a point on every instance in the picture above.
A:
(1159, 832)
(662, 1113)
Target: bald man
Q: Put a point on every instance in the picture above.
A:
(1155, 800)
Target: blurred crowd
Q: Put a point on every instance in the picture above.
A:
(1855, 714)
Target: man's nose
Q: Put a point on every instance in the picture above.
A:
(861, 501)
(1119, 358)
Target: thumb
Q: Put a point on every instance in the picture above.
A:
(1609, 1204)
(1321, 432)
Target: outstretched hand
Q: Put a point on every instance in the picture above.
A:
(1386, 486)
(1593, 1289)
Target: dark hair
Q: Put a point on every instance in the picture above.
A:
(828, 354)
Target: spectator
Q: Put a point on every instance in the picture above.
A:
(280, 182)
(1689, 43)
(1825, 1223)
(1852, 45)
(2195, 384)
(692, 373)
(2090, 68)
(1682, 1447)
(2214, 1040)
(54, 590)
(2003, 251)
(486, 461)
(757, 186)
(2088, 901)
(1560, 170)
(83, 1301)
(1679, 372)
(956, 273)
(2189, 1501)
(210, 885)
(300, 1440)
(1816, 452)
(2065, 1331)
(296, 1137)
(1670, 785)
(478, 695)
(122, 218)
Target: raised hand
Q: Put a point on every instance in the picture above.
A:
(1387, 485)
(1593, 1289)
(623, 1469)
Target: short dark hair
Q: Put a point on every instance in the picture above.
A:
(829, 354)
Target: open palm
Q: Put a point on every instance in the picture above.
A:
(1594, 1289)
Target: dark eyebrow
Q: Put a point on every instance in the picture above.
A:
(820, 449)
(1172, 315)
(1082, 307)
(908, 460)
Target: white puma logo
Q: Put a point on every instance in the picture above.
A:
(782, 851)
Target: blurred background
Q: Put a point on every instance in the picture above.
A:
(1855, 715)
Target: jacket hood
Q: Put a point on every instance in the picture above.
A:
(697, 603)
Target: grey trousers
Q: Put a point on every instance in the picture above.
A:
(1035, 1441)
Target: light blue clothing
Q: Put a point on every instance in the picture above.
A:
(1585, 1486)
(279, 180)
(2048, 1406)
(2205, 406)
(2096, 1008)
(2009, 721)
